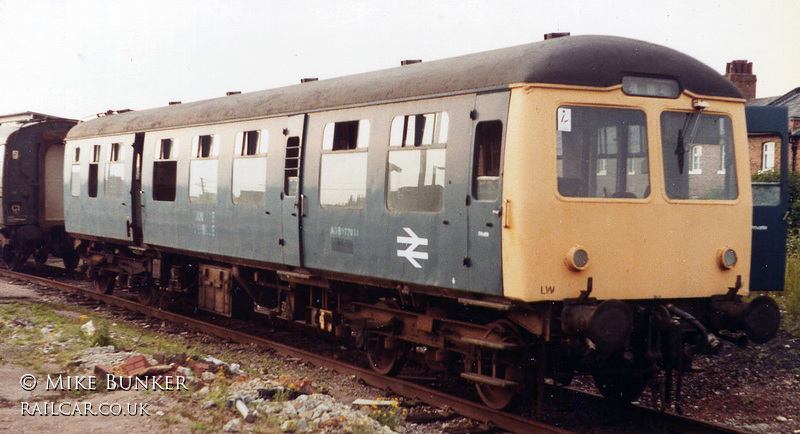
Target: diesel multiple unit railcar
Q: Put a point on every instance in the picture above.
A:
(31, 210)
(576, 205)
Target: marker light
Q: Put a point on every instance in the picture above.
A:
(577, 258)
(727, 258)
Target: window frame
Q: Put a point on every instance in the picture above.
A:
(241, 157)
(160, 160)
(399, 143)
(604, 145)
(357, 149)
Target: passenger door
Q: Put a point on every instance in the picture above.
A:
(135, 230)
(770, 202)
(292, 194)
(485, 219)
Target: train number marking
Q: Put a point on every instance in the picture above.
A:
(565, 119)
(411, 252)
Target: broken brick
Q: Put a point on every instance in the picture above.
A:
(200, 367)
(136, 363)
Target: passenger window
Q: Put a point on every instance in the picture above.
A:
(602, 152)
(343, 136)
(93, 167)
(343, 175)
(416, 171)
(115, 169)
(418, 130)
(486, 167)
(75, 179)
(203, 170)
(165, 169)
(249, 182)
(250, 143)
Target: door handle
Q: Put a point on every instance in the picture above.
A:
(504, 212)
(301, 205)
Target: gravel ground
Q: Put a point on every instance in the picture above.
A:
(756, 389)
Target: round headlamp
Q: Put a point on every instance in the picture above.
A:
(577, 258)
(726, 258)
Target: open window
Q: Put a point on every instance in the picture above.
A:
(93, 168)
(115, 170)
(416, 164)
(165, 169)
(203, 170)
(249, 179)
(343, 165)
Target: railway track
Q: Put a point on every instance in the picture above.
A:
(640, 416)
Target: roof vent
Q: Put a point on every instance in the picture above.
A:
(308, 79)
(233, 92)
(555, 35)
(410, 62)
(174, 102)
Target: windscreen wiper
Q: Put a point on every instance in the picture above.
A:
(680, 149)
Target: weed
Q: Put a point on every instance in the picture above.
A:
(102, 337)
(200, 426)
(390, 415)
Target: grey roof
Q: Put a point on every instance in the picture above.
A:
(25, 117)
(599, 61)
(790, 100)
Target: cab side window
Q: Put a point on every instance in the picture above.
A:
(486, 167)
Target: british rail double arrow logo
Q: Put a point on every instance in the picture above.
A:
(411, 252)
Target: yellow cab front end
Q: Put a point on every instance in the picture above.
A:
(629, 210)
(597, 184)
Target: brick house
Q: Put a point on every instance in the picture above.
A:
(764, 149)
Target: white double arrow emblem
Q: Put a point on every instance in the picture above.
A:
(410, 252)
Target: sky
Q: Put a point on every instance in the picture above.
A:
(77, 58)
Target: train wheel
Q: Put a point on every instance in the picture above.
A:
(148, 294)
(387, 361)
(387, 354)
(40, 256)
(71, 260)
(498, 365)
(18, 261)
(105, 282)
(619, 380)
